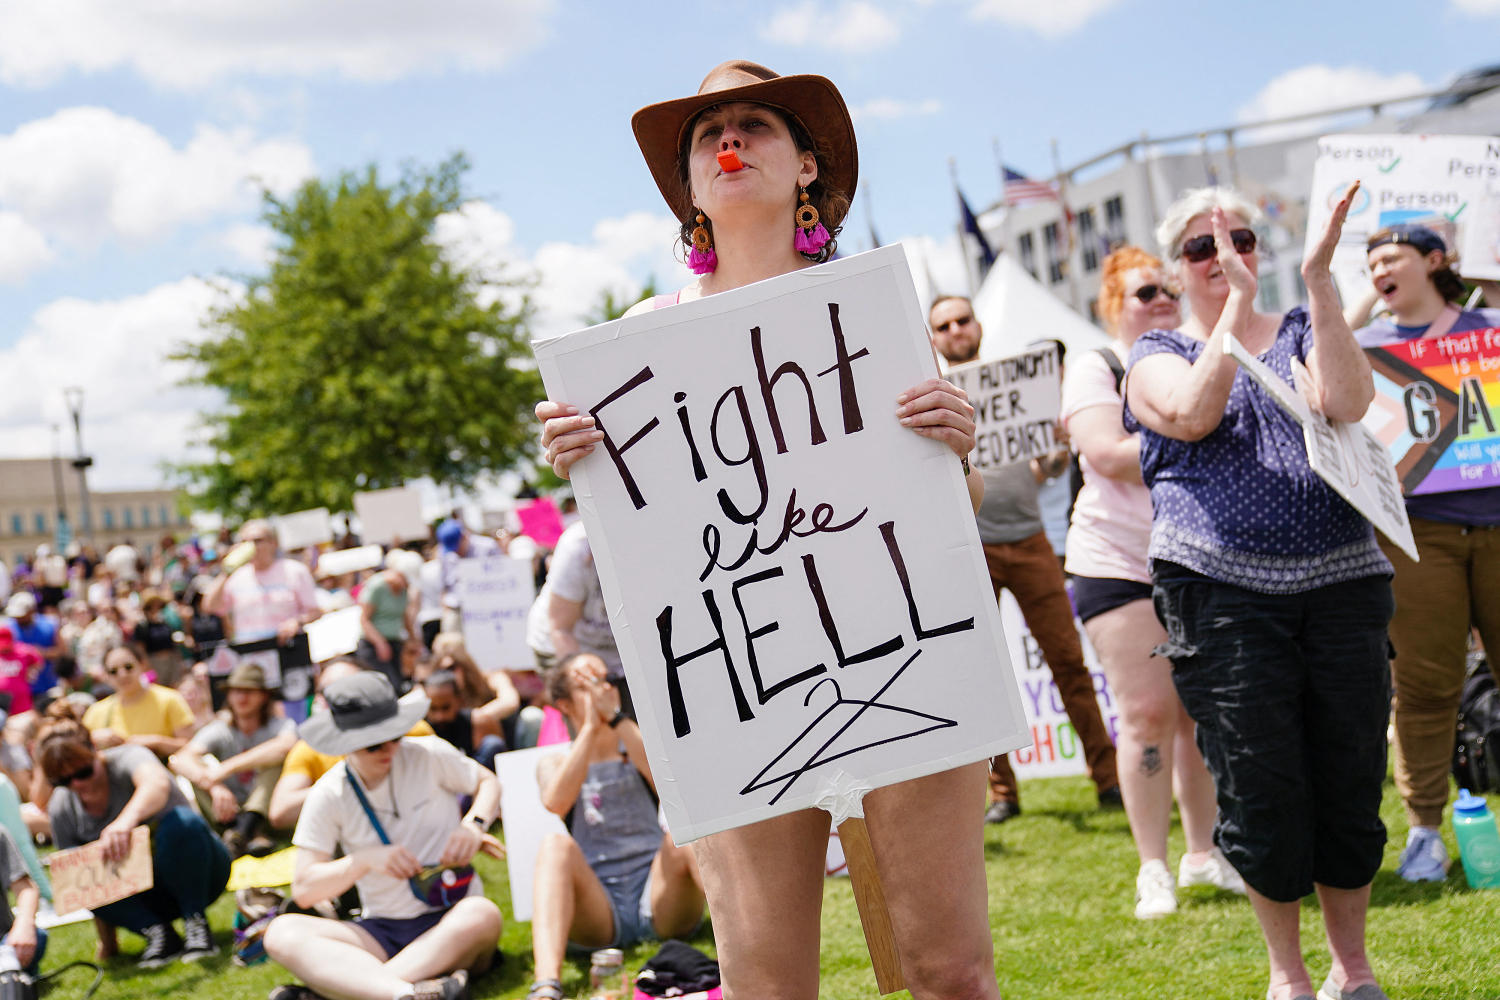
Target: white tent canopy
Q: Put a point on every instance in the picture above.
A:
(1017, 310)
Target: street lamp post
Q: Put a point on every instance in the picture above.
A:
(73, 394)
(64, 533)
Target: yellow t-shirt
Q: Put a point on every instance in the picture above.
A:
(303, 759)
(161, 712)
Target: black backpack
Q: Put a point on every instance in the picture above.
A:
(1476, 750)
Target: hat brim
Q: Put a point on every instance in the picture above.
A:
(813, 100)
(323, 734)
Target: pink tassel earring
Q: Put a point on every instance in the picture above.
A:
(810, 234)
(702, 259)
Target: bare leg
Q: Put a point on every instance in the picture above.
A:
(335, 958)
(464, 939)
(676, 891)
(1149, 712)
(765, 891)
(927, 832)
(1344, 922)
(1195, 790)
(1278, 925)
(568, 903)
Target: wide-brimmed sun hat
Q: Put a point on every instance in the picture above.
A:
(363, 711)
(661, 129)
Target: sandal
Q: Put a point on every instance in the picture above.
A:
(546, 989)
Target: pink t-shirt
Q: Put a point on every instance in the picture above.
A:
(259, 602)
(1111, 527)
(16, 667)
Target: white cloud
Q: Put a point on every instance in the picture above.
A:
(1314, 87)
(135, 415)
(85, 173)
(23, 249)
(854, 26)
(182, 44)
(1050, 19)
(1479, 8)
(888, 107)
(253, 245)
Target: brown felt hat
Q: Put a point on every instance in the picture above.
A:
(661, 129)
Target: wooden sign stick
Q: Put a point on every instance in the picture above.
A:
(854, 836)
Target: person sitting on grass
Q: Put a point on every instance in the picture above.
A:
(103, 795)
(392, 806)
(22, 938)
(139, 712)
(478, 732)
(614, 878)
(304, 765)
(235, 760)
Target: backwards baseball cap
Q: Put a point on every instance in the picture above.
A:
(1418, 237)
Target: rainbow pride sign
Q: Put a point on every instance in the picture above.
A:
(1437, 410)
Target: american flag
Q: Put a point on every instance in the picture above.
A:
(1020, 189)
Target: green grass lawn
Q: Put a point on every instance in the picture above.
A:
(1061, 877)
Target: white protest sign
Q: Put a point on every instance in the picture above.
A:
(341, 561)
(390, 517)
(496, 594)
(1055, 747)
(524, 820)
(1016, 400)
(1345, 455)
(83, 880)
(334, 634)
(795, 580)
(1450, 183)
(304, 528)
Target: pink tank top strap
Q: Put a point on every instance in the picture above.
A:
(662, 301)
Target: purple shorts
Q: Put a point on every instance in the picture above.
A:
(395, 933)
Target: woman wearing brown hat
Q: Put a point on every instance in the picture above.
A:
(740, 164)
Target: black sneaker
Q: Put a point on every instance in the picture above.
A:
(1111, 798)
(1001, 810)
(292, 991)
(451, 987)
(162, 945)
(198, 939)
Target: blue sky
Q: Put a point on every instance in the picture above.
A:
(130, 132)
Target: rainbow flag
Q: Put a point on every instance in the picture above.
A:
(1437, 410)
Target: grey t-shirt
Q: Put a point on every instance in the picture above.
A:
(1010, 511)
(224, 740)
(73, 825)
(11, 868)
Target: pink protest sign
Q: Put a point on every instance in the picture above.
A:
(541, 522)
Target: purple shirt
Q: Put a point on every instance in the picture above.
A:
(1480, 506)
(1242, 505)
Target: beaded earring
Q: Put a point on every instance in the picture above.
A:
(702, 259)
(810, 234)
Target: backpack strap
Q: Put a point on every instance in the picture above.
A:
(1113, 360)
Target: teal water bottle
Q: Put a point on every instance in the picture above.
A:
(1478, 841)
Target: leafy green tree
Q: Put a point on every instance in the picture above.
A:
(364, 357)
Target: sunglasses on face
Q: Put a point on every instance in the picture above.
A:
(64, 780)
(954, 323)
(1200, 248)
(1148, 292)
(381, 746)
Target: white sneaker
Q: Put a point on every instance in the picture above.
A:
(1155, 892)
(1425, 859)
(1216, 871)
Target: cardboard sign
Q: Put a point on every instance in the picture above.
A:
(795, 580)
(83, 880)
(334, 634)
(1055, 748)
(497, 593)
(541, 521)
(1450, 183)
(390, 517)
(304, 528)
(1016, 402)
(1345, 456)
(1437, 410)
(524, 820)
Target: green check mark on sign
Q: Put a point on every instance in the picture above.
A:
(1389, 166)
(1453, 216)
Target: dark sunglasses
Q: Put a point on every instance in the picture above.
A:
(1148, 292)
(376, 748)
(961, 321)
(64, 780)
(1200, 248)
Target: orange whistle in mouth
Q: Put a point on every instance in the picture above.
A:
(729, 161)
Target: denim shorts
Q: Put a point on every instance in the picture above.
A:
(630, 902)
(1291, 694)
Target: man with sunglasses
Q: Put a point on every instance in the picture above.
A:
(1021, 559)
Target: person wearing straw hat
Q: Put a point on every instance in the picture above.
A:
(759, 169)
(392, 806)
